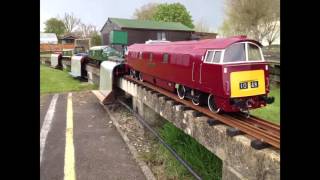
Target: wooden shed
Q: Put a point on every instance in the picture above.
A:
(140, 31)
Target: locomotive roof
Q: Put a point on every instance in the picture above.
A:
(191, 47)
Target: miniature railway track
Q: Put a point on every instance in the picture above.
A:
(254, 127)
(162, 141)
(261, 123)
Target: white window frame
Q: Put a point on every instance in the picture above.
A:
(214, 52)
(260, 50)
(246, 49)
(238, 62)
(163, 36)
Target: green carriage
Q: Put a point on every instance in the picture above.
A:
(97, 54)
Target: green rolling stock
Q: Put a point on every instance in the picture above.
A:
(102, 53)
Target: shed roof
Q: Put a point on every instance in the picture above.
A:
(147, 24)
(48, 38)
(69, 36)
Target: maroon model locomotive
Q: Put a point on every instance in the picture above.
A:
(227, 74)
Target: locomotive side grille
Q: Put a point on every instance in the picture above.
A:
(247, 83)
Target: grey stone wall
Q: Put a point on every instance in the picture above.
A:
(93, 74)
(240, 160)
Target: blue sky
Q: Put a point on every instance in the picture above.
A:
(96, 12)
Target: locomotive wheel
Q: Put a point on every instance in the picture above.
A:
(140, 77)
(196, 99)
(212, 105)
(181, 91)
(131, 73)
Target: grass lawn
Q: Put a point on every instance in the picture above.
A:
(202, 161)
(272, 111)
(54, 81)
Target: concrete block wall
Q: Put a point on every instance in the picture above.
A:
(66, 64)
(93, 74)
(240, 160)
(45, 60)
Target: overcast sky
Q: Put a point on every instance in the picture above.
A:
(96, 12)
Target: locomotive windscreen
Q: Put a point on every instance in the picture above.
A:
(238, 52)
(254, 53)
(235, 52)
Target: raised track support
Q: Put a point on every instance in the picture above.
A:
(240, 159)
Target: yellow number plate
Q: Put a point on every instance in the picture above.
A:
(247, 83)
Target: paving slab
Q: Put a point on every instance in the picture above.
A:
(99, 150)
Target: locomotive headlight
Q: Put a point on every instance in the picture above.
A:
(225, 70)
(267, 67)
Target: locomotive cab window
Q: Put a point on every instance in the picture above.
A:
(165, 58)
(216, 57)
(242, 52)
(253, 52)
(209, 56)
(213, 57)
(234, 53)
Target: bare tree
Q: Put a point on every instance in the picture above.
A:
(274, 32)
(202, 26)
(70, 22)
(255, 18)
(86, 31)
(146, 11)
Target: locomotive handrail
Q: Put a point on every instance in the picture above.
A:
(200, 80)
(192, 71)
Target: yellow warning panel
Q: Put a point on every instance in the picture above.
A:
(247, 83)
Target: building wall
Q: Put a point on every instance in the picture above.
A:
(142, 35)
(67, 41)
(203, 35)
(109, 26)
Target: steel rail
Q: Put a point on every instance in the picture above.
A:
(261, 123)
(172, 151)
(249, 128)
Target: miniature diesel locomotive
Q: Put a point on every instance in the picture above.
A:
(226, 74)
(97, 54)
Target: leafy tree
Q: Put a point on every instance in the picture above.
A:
(146, 12)
(174, 12)
(96, 39)
(255, 18)
(54, 25)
